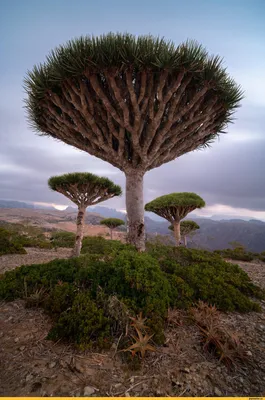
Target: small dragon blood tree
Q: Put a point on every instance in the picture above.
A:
(187, 228)
(83, 189)
(174, 207)
(112, 223)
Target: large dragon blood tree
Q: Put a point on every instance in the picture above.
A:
(135, 102)
(174, 207)
(83, 189)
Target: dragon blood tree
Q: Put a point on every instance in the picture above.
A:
(83, 189)
(135, 102)
(112, 223)
(187, 228)
(174, 207)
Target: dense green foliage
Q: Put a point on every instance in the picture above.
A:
(241, 254)
(77, 290)
(8, 245)
(99, 245)
(84, 178)
(23, 236)
(125, 51)
(63, 239)
(112, 222)
(183, 199)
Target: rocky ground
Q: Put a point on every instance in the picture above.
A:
(33, 256)
(30, 365)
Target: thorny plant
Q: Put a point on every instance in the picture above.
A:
(36, 298)
(141, 344)
(138, 322)
(216, 340)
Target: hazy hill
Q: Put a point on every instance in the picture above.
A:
(213, 234)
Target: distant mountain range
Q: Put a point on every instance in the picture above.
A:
(213, 233)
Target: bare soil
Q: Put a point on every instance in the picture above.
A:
(30, 365)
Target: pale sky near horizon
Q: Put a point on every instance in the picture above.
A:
(229, 176)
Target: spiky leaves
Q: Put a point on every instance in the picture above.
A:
(134, 102)
(84, 189)
(175, 206)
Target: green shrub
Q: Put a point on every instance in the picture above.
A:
(238, 253)
(63, 239)
(8, 245)
(140, 282)
(100, 245)
(84, 324)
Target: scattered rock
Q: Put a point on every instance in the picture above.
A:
(117, 385)
(241, 379)
(29, 377)
(52, 364)
(217, 392)
(16, 340)
(248, 353)
(22, 348)
(88, 391)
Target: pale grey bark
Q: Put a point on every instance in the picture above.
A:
(79, 231)
(185, 240)
(135, 209)
(111, 233)
(176, 225)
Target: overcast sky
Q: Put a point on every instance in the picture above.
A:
(230, 176)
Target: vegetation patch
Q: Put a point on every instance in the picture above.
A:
(8, 245)
(94, 298)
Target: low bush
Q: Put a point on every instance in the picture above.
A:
(99, 245)
(238, 253)
(113, 275)
(63, 239)
(26, 236)
(8, 245)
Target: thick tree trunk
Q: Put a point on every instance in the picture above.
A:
(111, 235)
(185, 240)
(79, 231)
(176, 226)
(135, 209)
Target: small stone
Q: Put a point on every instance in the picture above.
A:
(132, 379)
(16, 340)
(117, 385)
(248, 353)
(241, 379)
(186, 370)
(22, 348)
(29, 377)
(9, 319)
(1, 334)
(217, 392)
(52, 364)
(262, 326)
(127, 394)
(88, 391)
